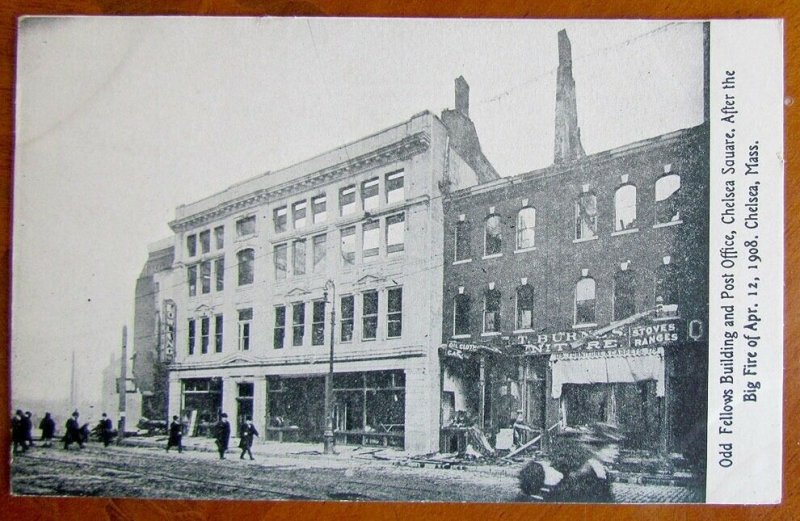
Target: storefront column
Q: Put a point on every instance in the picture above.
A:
(422, 411)
(229, 392)
(482, 392)
(174, 398)
(260, 406)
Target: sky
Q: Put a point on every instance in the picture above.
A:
(120, 120)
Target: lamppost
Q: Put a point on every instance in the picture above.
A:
(329, 439)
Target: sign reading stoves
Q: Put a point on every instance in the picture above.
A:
(649, 335)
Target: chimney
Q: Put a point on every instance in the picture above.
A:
(567, 133)
(462, 95)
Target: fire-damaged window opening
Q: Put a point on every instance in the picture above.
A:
(299, 215)
(394, 187)
(525, 307)
(369, 194)
(279, 219)
(319, 246)
(219, 237)
(246, 226)
(370, 239)
(348, 246)
(245, 265)
(299, 257)
(586, 216)
(347, 200)
(625, 208)
(526, 228)
(493, 236)
(461, 310)
(280, 253)
(624, 294)
(461, 237)
(667, 208)
(205, 241)
(667, 290)
(191, 245)
(585, 301)
(191, 276)
(318, 209)
(491, 311)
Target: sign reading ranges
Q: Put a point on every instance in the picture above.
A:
(618, 338)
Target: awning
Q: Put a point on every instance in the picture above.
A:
(625, 366)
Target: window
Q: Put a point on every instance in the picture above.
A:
(279, 256)
(245, 322)
(318, 323)
(461, 309)
(191, 330)
(245, 258)
(279, 219)
(491, 311)
(298, 323)
(279, 332)
(319, 245)
(299, 214)
(395, 233)
(462, 244)
(526, 228)
(394, 314)
(585, 216)
(191, 275)
(205, 277)
(348, 246)
(369, 194)
(625, 208)
(667, 286)
(299, 257)
(191, 245)
(218, 333)
(493, 237)
(219, 271)
(205, 325)
(585, 301)
(318, 209)
(371, 239)
(369, 316)
(348, 314)
(624, 294)
(667, 198)
(219, 237)
(347, 200)
(394, 187)
(525, 307)
(205, 241)
(246, 226)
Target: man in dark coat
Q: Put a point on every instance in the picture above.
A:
(222, 434)
(73, 434)
(175, 435)
(48, 428)
(246, 438)
(105, 429)
(17, 432)
(27, 428)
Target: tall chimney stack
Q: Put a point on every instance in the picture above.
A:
(462, 96)
(567, 133)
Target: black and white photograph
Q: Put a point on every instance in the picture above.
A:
(376, 260)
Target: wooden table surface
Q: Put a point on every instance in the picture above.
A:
(124, 509)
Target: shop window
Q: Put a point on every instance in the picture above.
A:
(371, 239)
(279, 254)
(205, 331)
(526, 228)
(491, 311)
(625, 208)
(394, 187)
(624, 294)
(191, 276)
(318, 323)
(299, 215)
(318, 209)
(246, 226)
(205, 241)
(585, 301)
(395, 233)
(299, 257)
(319, 244)
(462, 241)
(369, 194)
(369, 317)
(191, 245)
(586, 216)
(192, 335)
(279, 219)
(667, 288)
(667, 209)
(493, 236)
(245, 323)
(347, 200)
(525, 307)
(218, 333)
(279, 331)
(205, 277)
(245, 258)
(298, 323)
(348, 246)
(219, 237)
(348, 316)
(394, 315)
(461, 310)
(219, 273)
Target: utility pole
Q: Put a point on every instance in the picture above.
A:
(122, 384)
(329, 439)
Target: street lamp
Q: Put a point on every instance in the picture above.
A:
(329, 439)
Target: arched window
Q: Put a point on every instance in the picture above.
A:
(461, 236)
(491, 311)
(526, 228)
(586, 216)
(585, 301)
(493, 236)
(625, 208)
(525, 307)
(245, 258)
(667, 209)
(461, 310)
(667, 288)
(624, 294)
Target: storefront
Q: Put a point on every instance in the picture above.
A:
(202, 404)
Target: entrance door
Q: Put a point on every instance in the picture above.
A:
(244, 405)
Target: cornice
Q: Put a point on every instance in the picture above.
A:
(400, 150)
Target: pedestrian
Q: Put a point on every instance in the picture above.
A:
(222, 435)
(48, 428)
(27, 429)
(73, 434)
(175, 435)
(105, 429)
(246, 438)
(17, 432)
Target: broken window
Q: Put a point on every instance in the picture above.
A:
(348, 246)
(347, 200)
(279, 219)
(493, 236)
(299, 257)
(667, 209)
(394, 187)
(369, 194)
(245, 258)
(318, 209)
(246, 226)
(319, 245)
(395, 233)
(585, 301)
(526, 228)
(299, 214)
(463, 250)
(525, 307)
(625, 208)
(461, 309)
(624, 294)
(279, 254)
(586, 216)
(491, 311)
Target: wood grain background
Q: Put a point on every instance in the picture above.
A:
(126, 509)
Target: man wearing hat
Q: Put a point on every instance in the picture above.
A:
(73, 434)
(175, 435)
(222, 434)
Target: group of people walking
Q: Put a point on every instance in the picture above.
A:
(74, 432)
(222, 436)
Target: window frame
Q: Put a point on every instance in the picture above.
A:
(462, 233)
(245, 328)
(298, 327)
(497, 299)
(299, 214)
(391, 178)
(593, 321)
(369, 317)
(191, 336)
(633, 224)
(279, 327)
(399, 220)
(242, 279)
(351, 232)
(394, 317)
(532, 296)
(521, 230)
(241, 232)
(578, 218)
(347, 319)
(373, 228)
(317, 323)
(367, 203)
(205, 334)
(280, 219)
(467, 310)
(280, 251)
(321, 216)
(296, 262)
(658, 205)
(218, 333)
(349, 208)
(499, 235)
